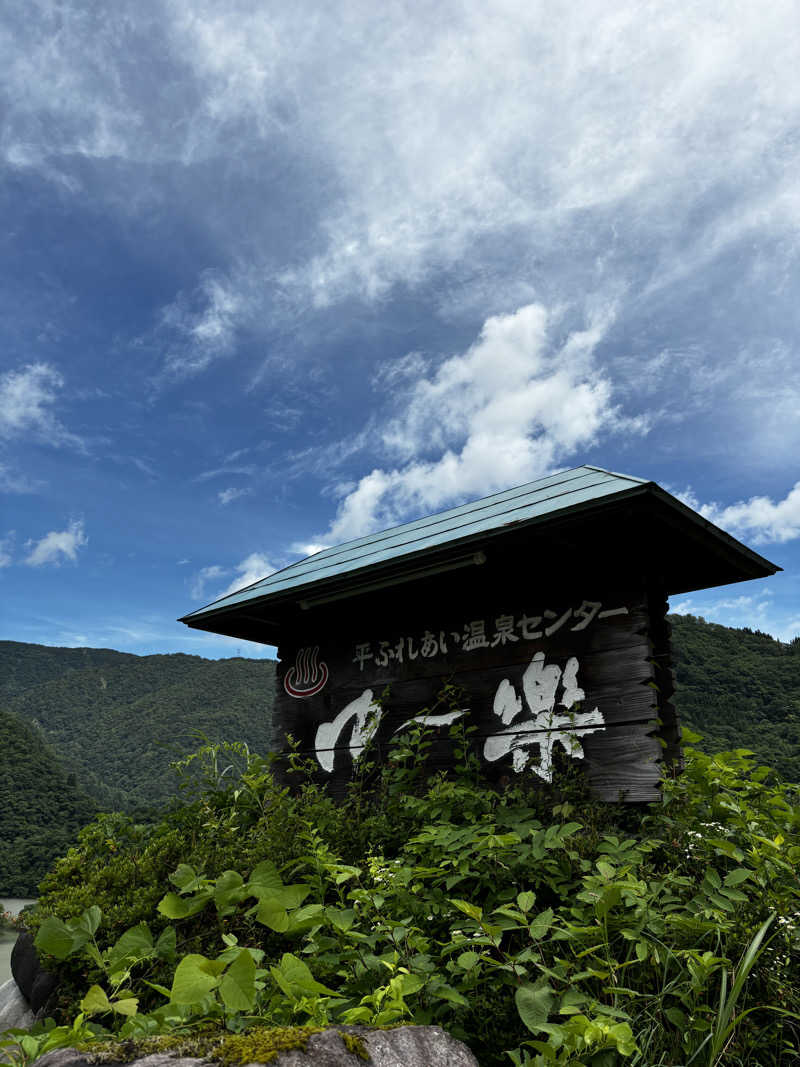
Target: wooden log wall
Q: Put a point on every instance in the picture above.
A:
(547, 672)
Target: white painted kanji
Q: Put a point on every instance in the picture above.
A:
(543, 726)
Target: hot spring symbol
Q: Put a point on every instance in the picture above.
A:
(307, 676)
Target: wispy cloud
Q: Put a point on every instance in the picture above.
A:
(251, 569)
(218, 472)
(227, 496)
(58, 545)
(197, 585)
(203, 327)
(13, 482)
(27, 397)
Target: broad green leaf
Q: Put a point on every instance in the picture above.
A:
(607, 871)
(95, 1001)
(185, 878)
(305, 918)
(238, 986)
(467, 960)
(271, 912)
(534, 1003)
(525, 901)
(264, 879)
(56, 939)
(294, 976)
(292, 896)
(737, 876)
(443, 991)
(166, 946)
(174, 907)
(89, 921)
(541, 924)
(468, 909)
(228, 891)
(193, 980)
(126, 1006)
(135, 944)
(342, 918)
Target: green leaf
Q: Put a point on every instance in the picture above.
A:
(737, 876)
(194, 979)
(135, 944)
(238, 986)
(443, 991)
(294, 977)
(56, 939)
(468, 909)
(341, 918)
(534, 1003)
(185, 878)
(467, 960)
(95, 1002)
(271, 912)
(525, 901)
(541, 924)
(228, 892)
(166, 946)
(126, 1006)
(89, 921)
(174, 907)
(264, 879)
(607, 871)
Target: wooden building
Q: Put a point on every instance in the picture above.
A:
(544, 605)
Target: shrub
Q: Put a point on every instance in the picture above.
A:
(537, 925)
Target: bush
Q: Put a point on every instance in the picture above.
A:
(537, 925)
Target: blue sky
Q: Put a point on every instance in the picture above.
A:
(274, 276)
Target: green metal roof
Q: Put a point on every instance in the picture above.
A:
(545, 497)
(440, 542)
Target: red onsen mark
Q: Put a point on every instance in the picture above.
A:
(307, 676)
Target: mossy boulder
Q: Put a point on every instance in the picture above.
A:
(287, 1046)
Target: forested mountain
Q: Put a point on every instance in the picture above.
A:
(118, 720)
(89, 729)
(41, 807)
(739, 689)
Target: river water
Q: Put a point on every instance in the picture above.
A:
(14, 905)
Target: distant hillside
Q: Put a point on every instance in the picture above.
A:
(41, 807)
(118, 720)
(739, 689)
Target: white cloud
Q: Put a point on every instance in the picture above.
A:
(205, 327)
(508, 410)
(759, 518)
(197, 586)
(217, 472)
(227, 496)
(757, 611)
(251, 569)
(12, 482)
(27, 396)
(58, 545)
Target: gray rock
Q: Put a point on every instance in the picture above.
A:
(405, 1046)
(15, 1012)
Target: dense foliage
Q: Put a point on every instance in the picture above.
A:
(739, 689)
(538, 926)
(41, 807)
